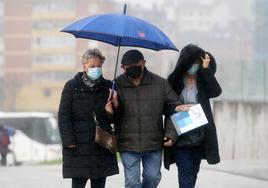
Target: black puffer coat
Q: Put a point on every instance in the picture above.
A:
(208, 87)
(76, 125)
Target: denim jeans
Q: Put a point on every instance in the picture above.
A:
(188, 161)
(95, 183)
(151, 162)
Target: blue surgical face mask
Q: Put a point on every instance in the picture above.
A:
(94, 73)
(194, 68)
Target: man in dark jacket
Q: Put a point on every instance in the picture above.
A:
(145, 98)
(83, 97)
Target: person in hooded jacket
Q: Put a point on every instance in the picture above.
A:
(86, 95)
(194, 82)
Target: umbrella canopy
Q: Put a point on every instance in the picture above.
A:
(121, 30)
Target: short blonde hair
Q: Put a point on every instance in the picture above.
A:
(92, 53)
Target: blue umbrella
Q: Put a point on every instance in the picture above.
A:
(121, 30)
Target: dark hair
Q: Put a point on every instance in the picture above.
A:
(132, 57)
(190, 54)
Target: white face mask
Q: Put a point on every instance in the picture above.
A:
(94, 73)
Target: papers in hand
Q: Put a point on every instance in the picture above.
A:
(185, 121)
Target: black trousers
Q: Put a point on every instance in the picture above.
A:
(95, 183)
(188, 161)
(3, 159)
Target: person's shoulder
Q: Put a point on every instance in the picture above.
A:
(119, 80)
(70, 83)
(73, 81)
(156, 77)
(120, 77)
(107, 82)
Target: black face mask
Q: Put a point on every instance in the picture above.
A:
(134, 72)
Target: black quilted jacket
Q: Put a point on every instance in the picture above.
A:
(77, 126)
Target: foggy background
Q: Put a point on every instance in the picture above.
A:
(36, 59)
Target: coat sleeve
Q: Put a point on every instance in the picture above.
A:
(65, 116)
(210, 84)
(170, 131)
(171, 99)
(118, 111)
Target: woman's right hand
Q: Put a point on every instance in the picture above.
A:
(184, 107)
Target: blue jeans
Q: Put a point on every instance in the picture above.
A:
(151, 162)
(188, 163)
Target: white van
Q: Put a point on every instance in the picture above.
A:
(36, 137)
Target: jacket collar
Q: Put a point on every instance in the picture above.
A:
(146, 79)
(93, 86)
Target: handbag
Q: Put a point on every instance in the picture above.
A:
(104, 138)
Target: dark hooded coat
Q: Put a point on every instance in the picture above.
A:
(77, 126)
(208, 87)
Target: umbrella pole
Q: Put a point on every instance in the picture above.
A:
(117, 58)
(118, 51)
(116, 64)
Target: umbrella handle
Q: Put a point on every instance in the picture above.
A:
(113, 86)
(117, 57)
(112, 93)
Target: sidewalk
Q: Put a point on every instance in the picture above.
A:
(251, 169)
(228, 174)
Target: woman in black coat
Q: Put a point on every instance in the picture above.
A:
(194, 82)
(87, 93)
